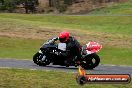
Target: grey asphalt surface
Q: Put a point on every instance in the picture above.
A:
(101, 69)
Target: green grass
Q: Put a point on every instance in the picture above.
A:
(118, 56)
(18, 48)
(14, 78)
(114, 32)
(118, 8)
(108, 24)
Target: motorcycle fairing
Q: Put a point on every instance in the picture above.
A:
(93, 47)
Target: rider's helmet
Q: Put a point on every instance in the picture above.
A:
(64, 36)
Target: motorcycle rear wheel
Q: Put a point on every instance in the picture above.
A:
(92, 61)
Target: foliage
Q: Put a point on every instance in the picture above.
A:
(11, 5)
(68, 2)
(62, 8)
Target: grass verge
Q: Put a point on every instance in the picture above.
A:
(108, 24)
(118, 9)
(18, 48)
(14, 78)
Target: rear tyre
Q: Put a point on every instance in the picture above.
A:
(91, 61)
(41, 59)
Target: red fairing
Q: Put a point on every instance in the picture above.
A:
(93, 47)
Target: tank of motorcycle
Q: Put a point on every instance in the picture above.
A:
(93, 47)
(48, 45)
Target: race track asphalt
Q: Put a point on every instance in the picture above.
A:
(28, 64)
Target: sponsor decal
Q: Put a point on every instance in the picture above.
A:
(83, 78)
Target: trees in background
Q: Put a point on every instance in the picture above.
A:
(30, 5)
(61, 5)
(8, 5)
(11, 5)
(1, 2)
(68, 2)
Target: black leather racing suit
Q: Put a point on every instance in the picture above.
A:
(73, 48)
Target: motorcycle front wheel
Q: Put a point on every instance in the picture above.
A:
(41, 59)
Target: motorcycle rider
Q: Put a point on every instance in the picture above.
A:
(73, 47)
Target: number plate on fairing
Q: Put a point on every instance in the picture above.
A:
(62, 46)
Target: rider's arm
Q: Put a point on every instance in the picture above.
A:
(53, 40)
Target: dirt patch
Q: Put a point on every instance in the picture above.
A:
(28, 35)
(82, 36)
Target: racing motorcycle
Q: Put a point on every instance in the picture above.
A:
(50, 53)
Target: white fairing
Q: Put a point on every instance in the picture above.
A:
(62, 46)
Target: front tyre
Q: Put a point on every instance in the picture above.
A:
(41, 59)
(91, 61)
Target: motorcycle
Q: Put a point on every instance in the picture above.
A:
(49, 53)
